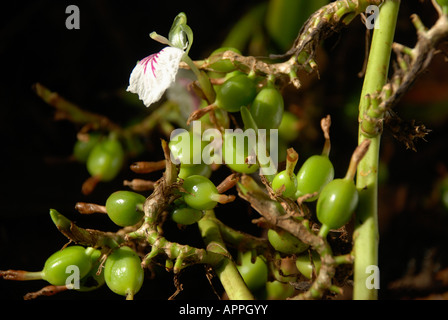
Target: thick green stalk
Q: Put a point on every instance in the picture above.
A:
(366, 236)
(226, 271)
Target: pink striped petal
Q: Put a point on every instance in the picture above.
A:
(154, 74)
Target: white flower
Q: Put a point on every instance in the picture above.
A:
(154, 74)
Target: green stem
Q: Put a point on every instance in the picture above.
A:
(87, 237)
(73, 112)
(366, 235)
(323, 231)
(227, 271)
(203, 79)
(240, 240)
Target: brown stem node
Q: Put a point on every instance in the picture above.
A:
(148, 166)
(139, 184)
(89, 208)
(198, 114)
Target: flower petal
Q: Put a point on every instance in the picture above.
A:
(179, 93)
(154, 74)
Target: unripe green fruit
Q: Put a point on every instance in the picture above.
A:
(223, 65)
(304, 265)
(201, 193)
(232, 74)
(276, 290)
(106, 159)
(55, 268)
(235, 150)
(123, 272)
(442, 3)
(186, 147)
(314, 174)
(267, 108)
(82, 149)
(235, 92)
(124, 208)
(221, 115)
(92, 280)
(336, 204)
(289, 126)
(255, 275)
(286, 179)
(284, 242)
(186, 216)
(197, 169)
